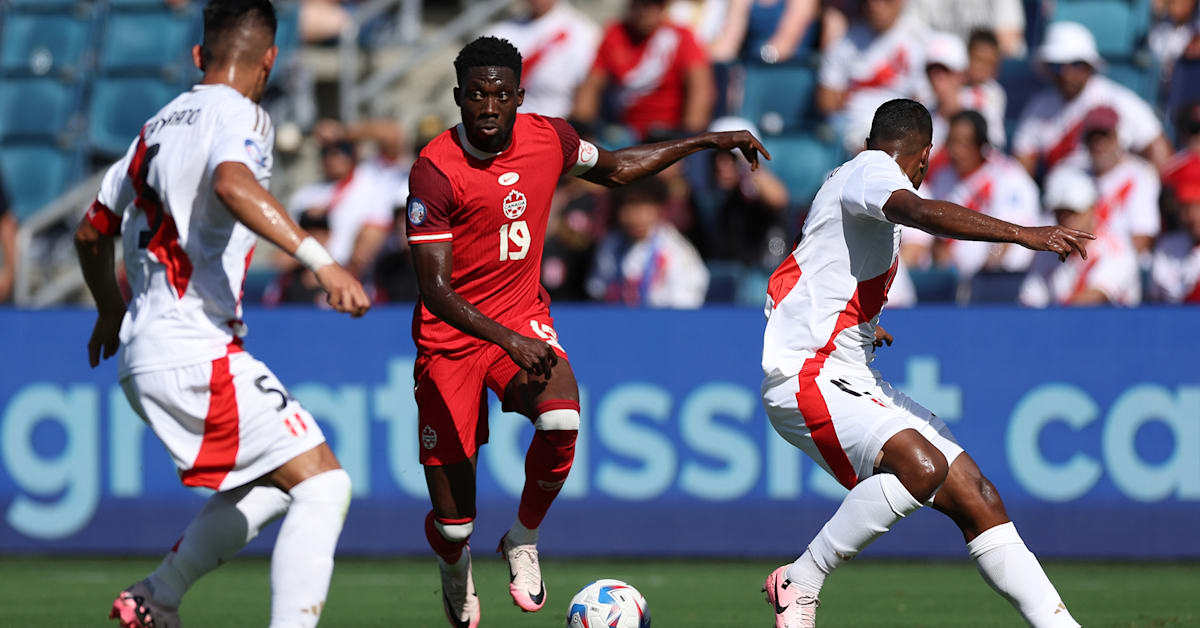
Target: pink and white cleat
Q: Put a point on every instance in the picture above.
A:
(135, 608)
(793, 608)
(458, 592)
(524, 575)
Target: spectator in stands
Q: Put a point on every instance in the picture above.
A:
(985, 180)
(8, 245)
(1004, 18)
(1175, 272)
(389, 159)
(557, 45)
(647, 262)
(983, 92)
(662, 79)
(1110, 273)
(741, 210)
(1050, 129)
(298, 284)
(705, 18)
(571, 240)
(1174, 34)
(358, 203)
(946, 64)
(769, 31)
(882, 57)
(1128, 185)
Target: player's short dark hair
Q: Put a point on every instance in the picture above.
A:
(645, 190)
(982, 36)
(223, 18)
(488, 52)
(901, 124)
(978, 124)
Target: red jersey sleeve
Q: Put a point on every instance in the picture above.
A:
(430, 203)
(568, 137)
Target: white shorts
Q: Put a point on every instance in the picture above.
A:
(841, 415)
(226, 423)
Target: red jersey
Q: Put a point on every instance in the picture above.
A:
(494, 209)
(649, 73)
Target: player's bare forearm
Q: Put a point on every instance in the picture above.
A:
(949, 220)
(95, 251)
(434, 264)
(255, 207)
(623, 166)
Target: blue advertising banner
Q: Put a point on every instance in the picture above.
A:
(1087, 421)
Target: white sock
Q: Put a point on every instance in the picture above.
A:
(228, 521)
(521, 535)
(302, 563)
(1013, 571)
(870, 509)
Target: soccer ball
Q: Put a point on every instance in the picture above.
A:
(608, 604)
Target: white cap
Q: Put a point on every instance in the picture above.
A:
(1069, 188)
(946, 49)
(1067, 42)
(732, 123)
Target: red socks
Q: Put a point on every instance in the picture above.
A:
(546, 467)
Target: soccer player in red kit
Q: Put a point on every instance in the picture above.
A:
(479, 201)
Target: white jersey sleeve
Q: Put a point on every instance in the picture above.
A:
(246, 136)
(1144, 218)
(834, 72)
(116, 190)
(869, 188)
(1138, 126)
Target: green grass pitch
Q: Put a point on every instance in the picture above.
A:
(53, 592)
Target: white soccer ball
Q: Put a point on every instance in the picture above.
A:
(608, 604)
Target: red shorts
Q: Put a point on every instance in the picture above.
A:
(451, 399)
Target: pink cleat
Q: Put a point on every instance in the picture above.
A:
(135, 608)
(793, 608)
(524, 575)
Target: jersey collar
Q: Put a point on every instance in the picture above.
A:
(481, 155)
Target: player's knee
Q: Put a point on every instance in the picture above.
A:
(330, 488)
(927, 474)
(455, 530)
(557, 420)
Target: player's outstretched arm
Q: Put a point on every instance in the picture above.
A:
(619, 167)
(256, 208)
(95, 252)
(948, 220)
(434, 263)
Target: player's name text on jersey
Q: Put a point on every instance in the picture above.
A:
(185, 117)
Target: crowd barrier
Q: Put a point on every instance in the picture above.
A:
(1087, 421)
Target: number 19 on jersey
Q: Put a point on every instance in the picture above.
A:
(514, 241)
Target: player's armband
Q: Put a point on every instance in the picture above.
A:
(103, 219)
(585, 158)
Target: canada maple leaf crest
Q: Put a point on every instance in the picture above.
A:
(514, 205)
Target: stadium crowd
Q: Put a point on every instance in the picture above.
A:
(1078, 148)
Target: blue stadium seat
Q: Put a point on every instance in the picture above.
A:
(803, 162)
(935, 285)
(1020, 82)
(1140, 77)
(44, 43)
(145, 42)
(996, 287)
(1111, 22)
(38, 108)
(784, 89)
(35, 174)
(44, 4)
(119, 107)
